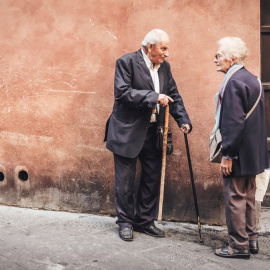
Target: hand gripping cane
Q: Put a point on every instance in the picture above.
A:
(193, 187)
(164, 151)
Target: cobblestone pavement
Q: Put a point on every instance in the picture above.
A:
(37, 240)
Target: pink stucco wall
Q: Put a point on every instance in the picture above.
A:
(57, 62)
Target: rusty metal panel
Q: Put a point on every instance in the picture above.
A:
(265, 56)
(265, 11)
(267, 110)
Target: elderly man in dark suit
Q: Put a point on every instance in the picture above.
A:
(244, 146)
(143, 86)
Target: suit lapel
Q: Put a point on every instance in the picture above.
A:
(144, 69)
(161, 78)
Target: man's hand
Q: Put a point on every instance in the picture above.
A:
(226, 166)
(163, 100)
(185, 128)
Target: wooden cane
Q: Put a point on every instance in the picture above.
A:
(164, 151)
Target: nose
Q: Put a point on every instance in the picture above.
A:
(166, 54)
(215, 60)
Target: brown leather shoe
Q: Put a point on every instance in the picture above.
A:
(254, 247)
(228, 252)
(126, 234)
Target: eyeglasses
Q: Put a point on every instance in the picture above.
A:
(218, 56)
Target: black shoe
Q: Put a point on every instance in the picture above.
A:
(152, 230)
(237, 253)
(126, 234)
(254, 247)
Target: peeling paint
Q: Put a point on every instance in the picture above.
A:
(23, 139)
(112, 35)
(68, 91)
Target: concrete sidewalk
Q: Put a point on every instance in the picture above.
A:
(37, 240)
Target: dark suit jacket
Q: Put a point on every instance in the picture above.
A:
(135, 99)
(246, 139)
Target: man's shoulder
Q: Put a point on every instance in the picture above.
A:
(128, 56)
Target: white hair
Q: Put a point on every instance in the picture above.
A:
(154, 37)
(233, 47)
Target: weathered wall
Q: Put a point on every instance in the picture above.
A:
(57, 62)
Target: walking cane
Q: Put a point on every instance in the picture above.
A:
(164, 151)
(193, 188)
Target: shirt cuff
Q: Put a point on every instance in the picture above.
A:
(230, 158)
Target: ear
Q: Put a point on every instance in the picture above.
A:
(234, 60)
(150, 46)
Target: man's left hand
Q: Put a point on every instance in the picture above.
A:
(185, 128)
(226, 166)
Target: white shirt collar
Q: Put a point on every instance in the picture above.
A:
(148, 63)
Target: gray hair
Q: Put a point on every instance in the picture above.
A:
(154, 37)
(233, 47)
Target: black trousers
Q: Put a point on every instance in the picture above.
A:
(149, 186)
(239, 198)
